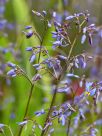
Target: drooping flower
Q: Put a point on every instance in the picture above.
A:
(28, 27)
(29, 49)
(32, 58)
(11, 73)
(23, 123)
(38, 113)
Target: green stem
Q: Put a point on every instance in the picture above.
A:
(69, 123)
(27, 106)
(9, 130)
(50, 110)
(71, 49)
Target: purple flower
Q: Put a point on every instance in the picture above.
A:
(80, 62)
(69, 17)
(2, 125)
(62, 57)
(32, 58)
(38, 113)
(23, 123)
(72, 75)
(49, 24)
(90, 88)
(29, 49)
(11, 73)
(44, 13)
(37, 66)
(83, 39)
(29, 34)
(10, 64)
(90, 39)
(56, 44)
(36, 13)
(54, 14)
(28, 27)
(36, 77)
(62, 120)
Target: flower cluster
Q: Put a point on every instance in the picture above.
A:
(77, 88)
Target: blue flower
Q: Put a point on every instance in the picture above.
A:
(2, 125)
(32, 58)
(28, 27)
(11, 73)
(72, 75)
(29, 49)
(90, 89)
(23, 123)
(29, 34)
(10, 64)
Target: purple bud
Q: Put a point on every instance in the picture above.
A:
(69, 17)
(38, 113)
(62, 57)
(32, 58)
(56, 44)
(28, 27)
(2, 125)
(90, 39)
(11, 73)
(29, 49)
(57, 24)
(62, 120)
(72, 75)
(36, 77)
(37, 66)
(10, 64)
(83, 39)
(44, 12)
(49, 24)
(36, 13)
(54, 14)
(29, 34)
(23, 123)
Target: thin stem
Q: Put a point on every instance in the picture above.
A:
(29, 98)
(41, 40)
(32, 85)
(3, 132)
(69, 123)
(27, 106)
(9, 130)
(25, 75)
(72, 46)
(49, 112)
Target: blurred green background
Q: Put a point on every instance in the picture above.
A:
(18, 14)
